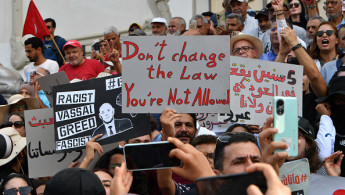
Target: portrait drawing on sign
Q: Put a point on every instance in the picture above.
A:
(111, 126)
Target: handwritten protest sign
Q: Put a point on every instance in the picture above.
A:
(47, 83)
(296, 175)
(254, 83)
(42, 158)
(210, 122)
(85, 109)
(188, 74)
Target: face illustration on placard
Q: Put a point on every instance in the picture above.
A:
(106, 112)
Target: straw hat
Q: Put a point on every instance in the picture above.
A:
(255, 41)
(32, 103)
(19, 143)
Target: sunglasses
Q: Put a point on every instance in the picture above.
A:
(37, 73)
(296, 5)
(17, 106)
(17, 124)
(48, 27)
(113, 166)
(22, 190)
(328, 33)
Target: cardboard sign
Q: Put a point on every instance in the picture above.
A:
(85, 109)
(42, 158)
(47, 83)
(320, 185)
(189, 74)
(254, 83)
(296, 175)
(210, 122)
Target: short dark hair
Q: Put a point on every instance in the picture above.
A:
(204, 139)
(234, 125)
(209, 13)
(103, 161)
(226, 139)
(15, 175)
(35, 42)
(50, 20)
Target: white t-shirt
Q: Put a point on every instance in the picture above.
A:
(50, 65)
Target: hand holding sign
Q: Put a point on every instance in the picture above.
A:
(91, 148)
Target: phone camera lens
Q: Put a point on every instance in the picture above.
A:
(280, 110)
(280, 102)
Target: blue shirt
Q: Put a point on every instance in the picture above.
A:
(270, 56)
(48, 51)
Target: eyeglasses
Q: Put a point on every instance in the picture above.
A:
(48, 27)
(328, 33)
(37, 73)
(17, 124)
(22, 190)
(294, 4)
(244, 49)
(273, 29)
(209, 155)
(333, 3)
(113, 166)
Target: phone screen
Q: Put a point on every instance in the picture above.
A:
(235, 184)
(150, 156)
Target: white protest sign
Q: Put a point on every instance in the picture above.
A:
(321, 185)
(296, 175)
(254, 83)
(210, 122)
(186, 73)
(42, 159)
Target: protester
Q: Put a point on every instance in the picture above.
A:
(133, 27)
(263, 21)
(16, 120)
(297, 13)
(177, 26)
(17, 183)
(79, 67)
(325, 45)
(159, 26)
(26, 90)
(50, 50)
(246, 46)
(234, 22)
(39, 93)
(33, 50)
(312, 25)
(206, 144)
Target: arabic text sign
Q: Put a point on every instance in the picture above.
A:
(296, 175)
(188, 73)
(85, 109)
(42, 159)
(254, 83)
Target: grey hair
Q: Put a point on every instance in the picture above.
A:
(237, 16)
(110, 29)
(181, 21)
(197, 17)
(317, 18)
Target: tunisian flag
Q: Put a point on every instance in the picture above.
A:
(34, 23)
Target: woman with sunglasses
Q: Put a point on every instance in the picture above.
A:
(297, 13)
(15, 183)
(16, 120)
(325, 44)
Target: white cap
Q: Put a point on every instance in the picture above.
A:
(160, 20)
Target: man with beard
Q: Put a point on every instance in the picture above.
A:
(34, 52)
(332, 110)
(312, 25)
(333, 10)
(263, 20)
(234, 22)
(179, 125)
(177, 26)
(78, 66)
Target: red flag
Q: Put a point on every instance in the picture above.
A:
(34, 23)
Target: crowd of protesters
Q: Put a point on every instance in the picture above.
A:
(289, 32)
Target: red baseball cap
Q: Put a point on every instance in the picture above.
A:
(73, 43)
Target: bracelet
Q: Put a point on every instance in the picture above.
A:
(282, 13)
(312, 7)
(279, 10)
(296, 46)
